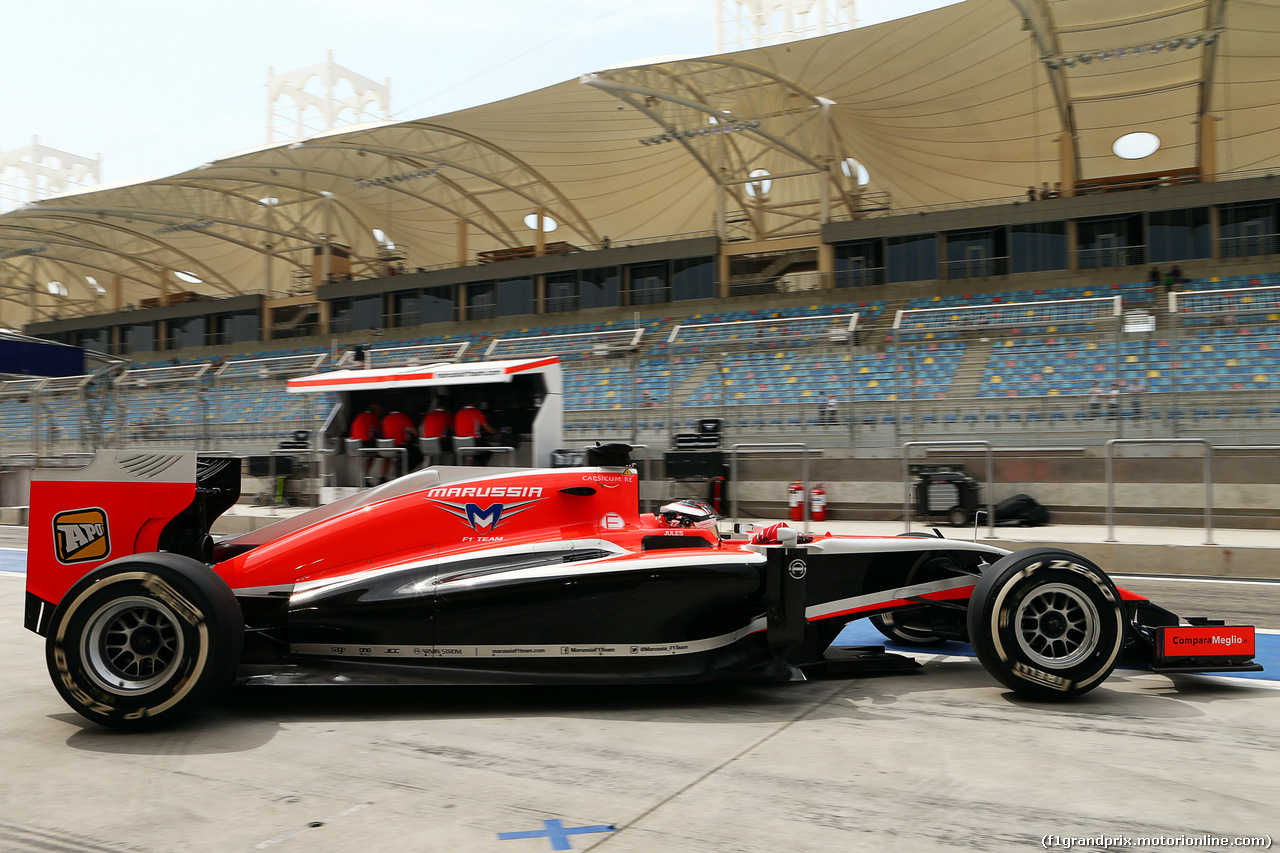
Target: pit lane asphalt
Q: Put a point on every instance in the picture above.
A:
(940, 759)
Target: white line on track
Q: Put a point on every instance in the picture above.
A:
(1167, 578)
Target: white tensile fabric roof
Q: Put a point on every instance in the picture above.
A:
(973, 101)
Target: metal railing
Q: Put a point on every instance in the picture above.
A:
(906, 479)
(1208, 480)
(733, 473)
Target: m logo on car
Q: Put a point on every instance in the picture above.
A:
(81, 535)
(485, 518)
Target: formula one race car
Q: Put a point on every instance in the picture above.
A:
(466, 575)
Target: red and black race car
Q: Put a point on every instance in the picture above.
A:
(466, 575)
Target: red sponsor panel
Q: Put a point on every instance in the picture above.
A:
(492, 511)
(1201, 641)
(76, 526)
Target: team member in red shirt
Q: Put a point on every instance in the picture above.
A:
(398, 427)
(437, 422)
(364, 429)
(470, 422)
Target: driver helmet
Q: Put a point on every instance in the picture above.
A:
(688, 512)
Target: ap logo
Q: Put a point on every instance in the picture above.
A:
(81, 535)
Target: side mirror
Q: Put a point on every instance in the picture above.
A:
(744, 528)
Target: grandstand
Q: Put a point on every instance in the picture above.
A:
(716, 253)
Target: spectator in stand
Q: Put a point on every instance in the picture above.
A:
(1135, 391)
(1031, 193)
(398, 427)
(822, 407)
(1095, 401)
(1176, 273)
(833, 409)
(1113, 401)
(364, 429)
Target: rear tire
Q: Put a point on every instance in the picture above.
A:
(958, 516)
(1047, 623)
(144, 641)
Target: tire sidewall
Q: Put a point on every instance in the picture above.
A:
(198, 604)
(994, 632)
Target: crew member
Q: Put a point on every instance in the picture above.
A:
(364, 429)
(398, 427)
(470, 422)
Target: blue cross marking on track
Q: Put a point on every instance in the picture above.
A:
(13, 561)
(557, 833)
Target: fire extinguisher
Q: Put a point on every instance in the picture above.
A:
(716, 494)
(795, 500)
(818, 503)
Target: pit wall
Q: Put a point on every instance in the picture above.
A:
(1154, 486)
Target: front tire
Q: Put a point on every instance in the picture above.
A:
(1046, 623)
(143, 641)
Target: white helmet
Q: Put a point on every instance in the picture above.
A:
(688, 512)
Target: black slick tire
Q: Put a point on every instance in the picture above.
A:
(1046, 623)
(144, 641)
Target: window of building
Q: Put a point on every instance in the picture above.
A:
(98, 340)
(406, 309)
(1110, 242)
(1247, 230)
(514, 296)
(1037, 247)
(912, 258)
(977, 254)
(600, 288)
(859, 264)
(650, 284)
(562, 292)
(482, 301)
(693, 278)
(439, 304)
(187, 333)
(357, 314)
(1178, 235)
(137, 337)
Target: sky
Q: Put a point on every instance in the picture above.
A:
(156, 88)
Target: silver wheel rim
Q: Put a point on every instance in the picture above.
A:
(1057, 626)
(131, 645)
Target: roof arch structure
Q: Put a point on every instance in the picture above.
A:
(974, 101)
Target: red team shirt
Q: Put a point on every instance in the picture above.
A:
(365, 426)
(436, 423)
(397, 426)
(468, 422)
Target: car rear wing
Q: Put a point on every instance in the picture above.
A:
(123, 502)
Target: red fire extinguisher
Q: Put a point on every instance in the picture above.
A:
(716, 494)
(795, 500)
(818, 503)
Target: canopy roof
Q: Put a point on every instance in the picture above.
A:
(973, 101)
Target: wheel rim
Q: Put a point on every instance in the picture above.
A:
(132, 644)
(1057, 626)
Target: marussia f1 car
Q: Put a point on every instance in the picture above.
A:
(466, 575)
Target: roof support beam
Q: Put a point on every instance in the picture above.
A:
(1039, 21)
